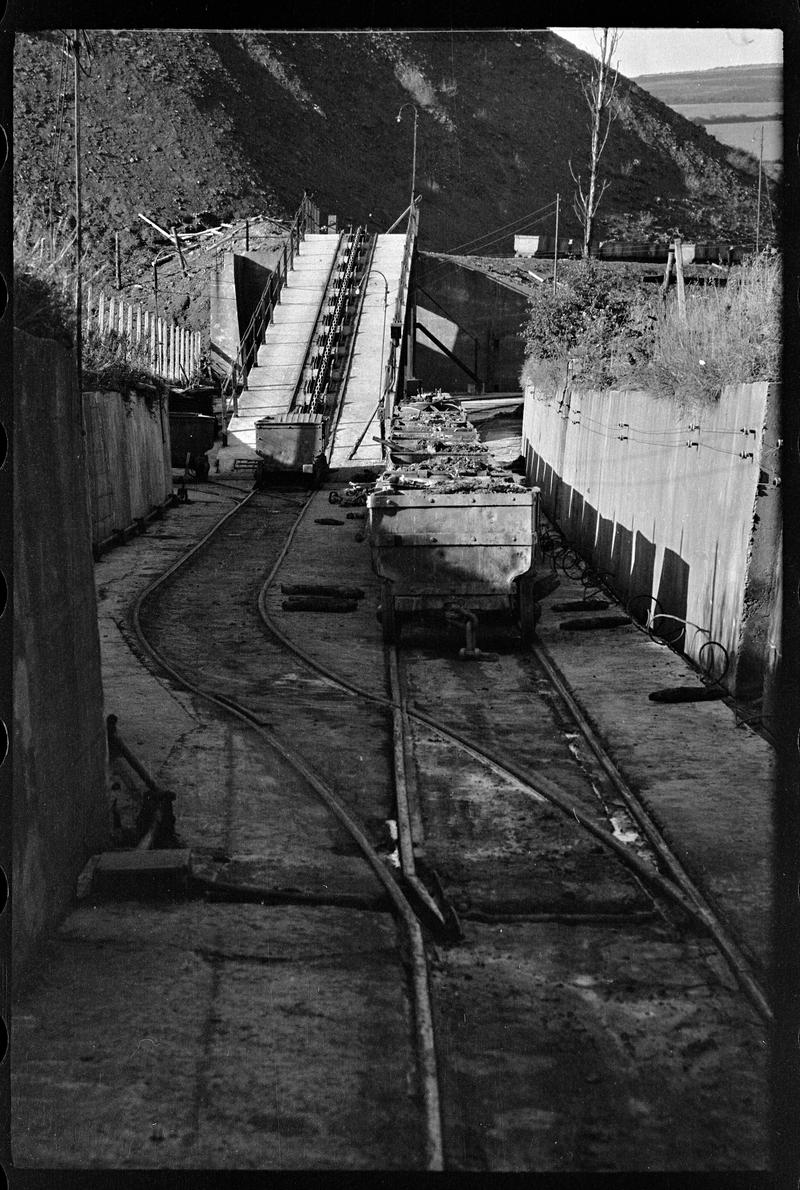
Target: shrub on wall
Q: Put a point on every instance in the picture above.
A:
(111, 362)
(615, 333)
(596, 315)
(731, 335)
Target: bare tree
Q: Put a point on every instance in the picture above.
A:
(599, 95)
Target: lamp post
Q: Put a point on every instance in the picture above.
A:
(414, 153)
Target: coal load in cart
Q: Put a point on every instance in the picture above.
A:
(448, 529)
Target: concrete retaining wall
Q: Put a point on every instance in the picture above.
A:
(476, 318)
(60, 812)
(128, 447)
(697, 527)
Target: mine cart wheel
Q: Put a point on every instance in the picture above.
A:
(389, 620)
(528, 609)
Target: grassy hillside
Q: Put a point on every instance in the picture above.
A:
(239, 123)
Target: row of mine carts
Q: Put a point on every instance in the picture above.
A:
(448, 528)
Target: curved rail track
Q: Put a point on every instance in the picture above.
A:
(416, 902)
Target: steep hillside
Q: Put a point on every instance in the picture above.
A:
(239, 123)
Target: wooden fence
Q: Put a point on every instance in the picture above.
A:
(173, 351)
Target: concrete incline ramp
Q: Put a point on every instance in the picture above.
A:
(371, 345)
(271, 383)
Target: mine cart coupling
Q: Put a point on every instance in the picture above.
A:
(461, 615)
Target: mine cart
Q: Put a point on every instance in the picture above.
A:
(292, 442)
(190, 434)
(467, 549)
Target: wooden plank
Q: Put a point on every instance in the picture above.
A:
(161, 230)
(101, 311)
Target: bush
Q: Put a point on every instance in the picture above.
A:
(595, 315)
(624, 336)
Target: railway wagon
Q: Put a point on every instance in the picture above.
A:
(468, 549)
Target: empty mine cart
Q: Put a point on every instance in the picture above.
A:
(460, 550)
(291, 444)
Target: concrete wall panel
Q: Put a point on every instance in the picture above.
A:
(692, 526)
(60, 813)
(474, 316)
(130, 471)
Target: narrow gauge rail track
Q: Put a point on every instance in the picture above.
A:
(675, 886)
(672, 887)
(426, 1057)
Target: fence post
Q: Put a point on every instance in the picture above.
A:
(679, 279)
(111, 313)
(130, 322)
(139, 322)
(88, 308)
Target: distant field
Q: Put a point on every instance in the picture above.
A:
(731, 102)
(705, 111)
(748, 136)
(729, 84)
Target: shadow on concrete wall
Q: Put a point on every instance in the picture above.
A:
(672, 594)
(624, 561)
(484, 321)
(250, 277)
(60, 807)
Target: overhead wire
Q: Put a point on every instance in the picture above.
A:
(477, 246)
(500, 228)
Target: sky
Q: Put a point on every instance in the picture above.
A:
(661, 51)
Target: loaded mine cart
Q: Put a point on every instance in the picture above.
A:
(290, 444)
(459, 551)
(447, 528)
